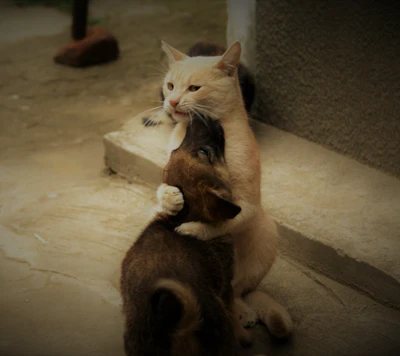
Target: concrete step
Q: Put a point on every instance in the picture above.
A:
(335, 215)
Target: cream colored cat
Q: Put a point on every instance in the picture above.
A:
(209, 85)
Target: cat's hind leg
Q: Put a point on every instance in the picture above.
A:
(247, 317)
(243, 336)
(270, 312)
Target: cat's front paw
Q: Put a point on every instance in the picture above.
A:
(170, 199)
(192, 228)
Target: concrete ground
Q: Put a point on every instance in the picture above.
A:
(65, 222)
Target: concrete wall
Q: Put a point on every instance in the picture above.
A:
(330, 72)
(241, 27)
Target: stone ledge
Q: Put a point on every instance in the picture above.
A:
(335, 215)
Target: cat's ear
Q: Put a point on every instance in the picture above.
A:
(230, 59)
(220, 208)
(173, 54)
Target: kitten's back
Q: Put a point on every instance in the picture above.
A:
(176, 290)
(171, 284)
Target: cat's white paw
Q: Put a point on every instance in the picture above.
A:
(279, 323)
(247, 316)
(192, 228)
(170, 199)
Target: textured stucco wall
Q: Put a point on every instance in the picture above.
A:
(330, 72)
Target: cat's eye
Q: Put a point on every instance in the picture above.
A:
(170, 86)
(194, 88)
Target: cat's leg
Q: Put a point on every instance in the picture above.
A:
(245, 315)
(270, 312)
(170, 199)
(206, 232)
(243, 336)
(177, 136)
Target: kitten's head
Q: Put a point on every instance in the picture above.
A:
(202, 85)
(198, 168)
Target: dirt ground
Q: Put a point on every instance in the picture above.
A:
(63, 219)
(65, 223)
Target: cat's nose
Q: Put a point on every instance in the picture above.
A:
(174, 103)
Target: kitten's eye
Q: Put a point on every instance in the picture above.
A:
(204, 152)
(207, 153)
(194, 88)
(170, 86)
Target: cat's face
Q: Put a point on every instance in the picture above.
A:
(198, 168)
(199, 85)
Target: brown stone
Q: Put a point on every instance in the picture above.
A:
(98, 46)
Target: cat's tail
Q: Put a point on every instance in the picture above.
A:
(175, 306)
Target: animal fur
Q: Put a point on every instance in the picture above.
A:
(246, 80)
(253, 230)
(177, 292)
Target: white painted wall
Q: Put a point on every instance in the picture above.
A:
(241, 27)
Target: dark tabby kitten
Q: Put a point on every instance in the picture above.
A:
(246, 80)
(177, 294)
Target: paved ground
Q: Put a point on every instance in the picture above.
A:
(65, 223)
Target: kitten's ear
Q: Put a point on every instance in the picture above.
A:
(173, 54)
(230, 59)
(218, 207)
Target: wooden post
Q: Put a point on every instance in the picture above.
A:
(86, 48)
(79, 19)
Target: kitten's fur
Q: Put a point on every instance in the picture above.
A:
(177, 293)
(254, 232)
(246, 80)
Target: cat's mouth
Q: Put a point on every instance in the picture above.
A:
(180, 114)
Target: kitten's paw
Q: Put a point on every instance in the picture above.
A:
(192, 228)
(170, 199)
(279, 323)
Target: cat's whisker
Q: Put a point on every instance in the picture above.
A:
(191, 110)
(164, 65)
(190, 117)
(158, 76)
(151, 109)
(151, 118)
(162, 72)
(202, 118)
(155, 101)
(149, 124)
(202, 107)
(154, 118)
(200, 110)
